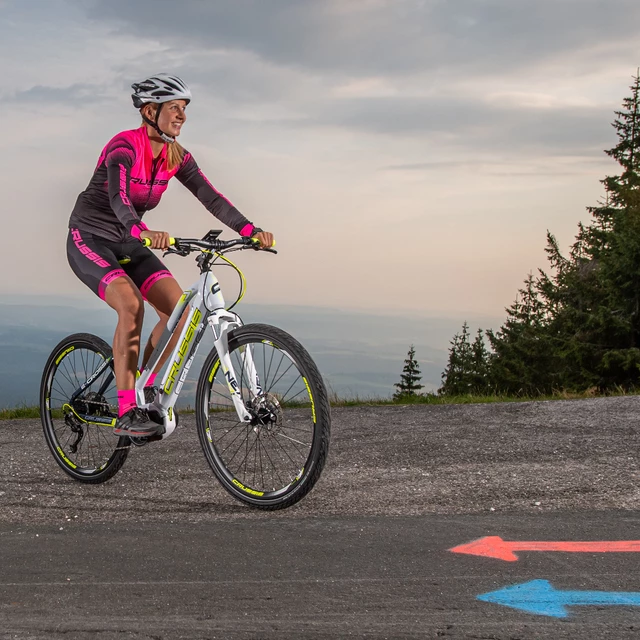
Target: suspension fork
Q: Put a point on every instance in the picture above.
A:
(221, 325)
(249, 366)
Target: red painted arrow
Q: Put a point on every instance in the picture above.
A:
(496, 547)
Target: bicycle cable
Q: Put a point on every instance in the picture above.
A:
(243, 281)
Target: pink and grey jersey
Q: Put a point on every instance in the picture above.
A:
(128, 181)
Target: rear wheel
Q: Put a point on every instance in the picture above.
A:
(78, 422)
(273, 461)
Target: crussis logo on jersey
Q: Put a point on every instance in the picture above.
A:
(148, 182)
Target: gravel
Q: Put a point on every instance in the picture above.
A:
(384, 460)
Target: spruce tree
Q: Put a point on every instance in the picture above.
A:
(595, 292)
(455, 379)
(522, 358)
(479, 382)
(579, 325)
(409, 378)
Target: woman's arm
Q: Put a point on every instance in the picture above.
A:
(119, 161)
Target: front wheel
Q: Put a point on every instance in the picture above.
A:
(273, 461)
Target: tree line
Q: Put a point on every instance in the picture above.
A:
(575, 326)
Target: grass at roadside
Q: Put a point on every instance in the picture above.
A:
(430, 398)
(33, 412)
(19, 412)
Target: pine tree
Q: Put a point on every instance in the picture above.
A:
(579, 325)
(594, 294)
(522, 358)
(479, 378)
(409, 378)
(455, 379)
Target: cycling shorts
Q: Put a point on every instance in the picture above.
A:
(97, 262)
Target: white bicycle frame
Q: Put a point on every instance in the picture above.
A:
(206, 308)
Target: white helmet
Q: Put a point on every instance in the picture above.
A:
(159, 89)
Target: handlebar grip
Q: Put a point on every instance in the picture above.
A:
(255, 241)
(147, 243)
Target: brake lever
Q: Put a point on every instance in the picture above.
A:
(256, 247)
(180, 252)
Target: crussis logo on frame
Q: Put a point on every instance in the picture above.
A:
(182, 352)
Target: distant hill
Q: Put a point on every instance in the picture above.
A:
(358, 354)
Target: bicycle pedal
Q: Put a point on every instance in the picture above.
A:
(141, 442)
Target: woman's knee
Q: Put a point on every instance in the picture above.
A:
(123, 296)
(164, 296)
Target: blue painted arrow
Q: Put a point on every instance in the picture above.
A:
(539, 596)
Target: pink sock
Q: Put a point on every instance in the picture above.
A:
(151, 380)
(126, 401)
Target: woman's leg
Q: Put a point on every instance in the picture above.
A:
(163, 296)
(123, 296)
(93, 260)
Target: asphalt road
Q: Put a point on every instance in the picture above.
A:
(161, 551)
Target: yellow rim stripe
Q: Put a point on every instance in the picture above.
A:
(252, 492)
(63, 354)
(313, 404)
(61, 452)
(214, 370)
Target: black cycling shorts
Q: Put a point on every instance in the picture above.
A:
(97, 262)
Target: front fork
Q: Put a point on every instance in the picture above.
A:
(221, 324)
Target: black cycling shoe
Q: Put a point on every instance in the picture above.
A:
(136, 424)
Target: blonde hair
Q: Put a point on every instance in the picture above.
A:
(175, 155)
(175, 151)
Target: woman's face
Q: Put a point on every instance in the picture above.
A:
(172, 117)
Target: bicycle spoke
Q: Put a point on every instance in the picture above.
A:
(274, 467)
(303, 444)
(284, 395)
(286, 453)
(268, 387)
(231, 443)
(239, 448)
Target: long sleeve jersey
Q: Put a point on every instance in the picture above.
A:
(128, 181)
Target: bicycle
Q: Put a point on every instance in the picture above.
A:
(262, 412)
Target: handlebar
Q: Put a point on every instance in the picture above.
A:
(184, 246)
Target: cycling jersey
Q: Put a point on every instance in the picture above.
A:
(128, 181)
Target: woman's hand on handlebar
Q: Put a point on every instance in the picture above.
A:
(158, 239)
(265, 238)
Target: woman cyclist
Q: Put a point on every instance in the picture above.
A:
(105, 231)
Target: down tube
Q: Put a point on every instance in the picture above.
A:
(183, 355)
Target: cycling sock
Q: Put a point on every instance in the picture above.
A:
(151, 380)
(126, 401)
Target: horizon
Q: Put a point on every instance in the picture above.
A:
(358, 354)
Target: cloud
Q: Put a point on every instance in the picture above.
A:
(360, 37)
(75, 94)
(426, 69)
(457, 123)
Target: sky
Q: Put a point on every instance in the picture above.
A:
(408, 155)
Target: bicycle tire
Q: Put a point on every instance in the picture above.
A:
(98, 454)
(308, 419)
